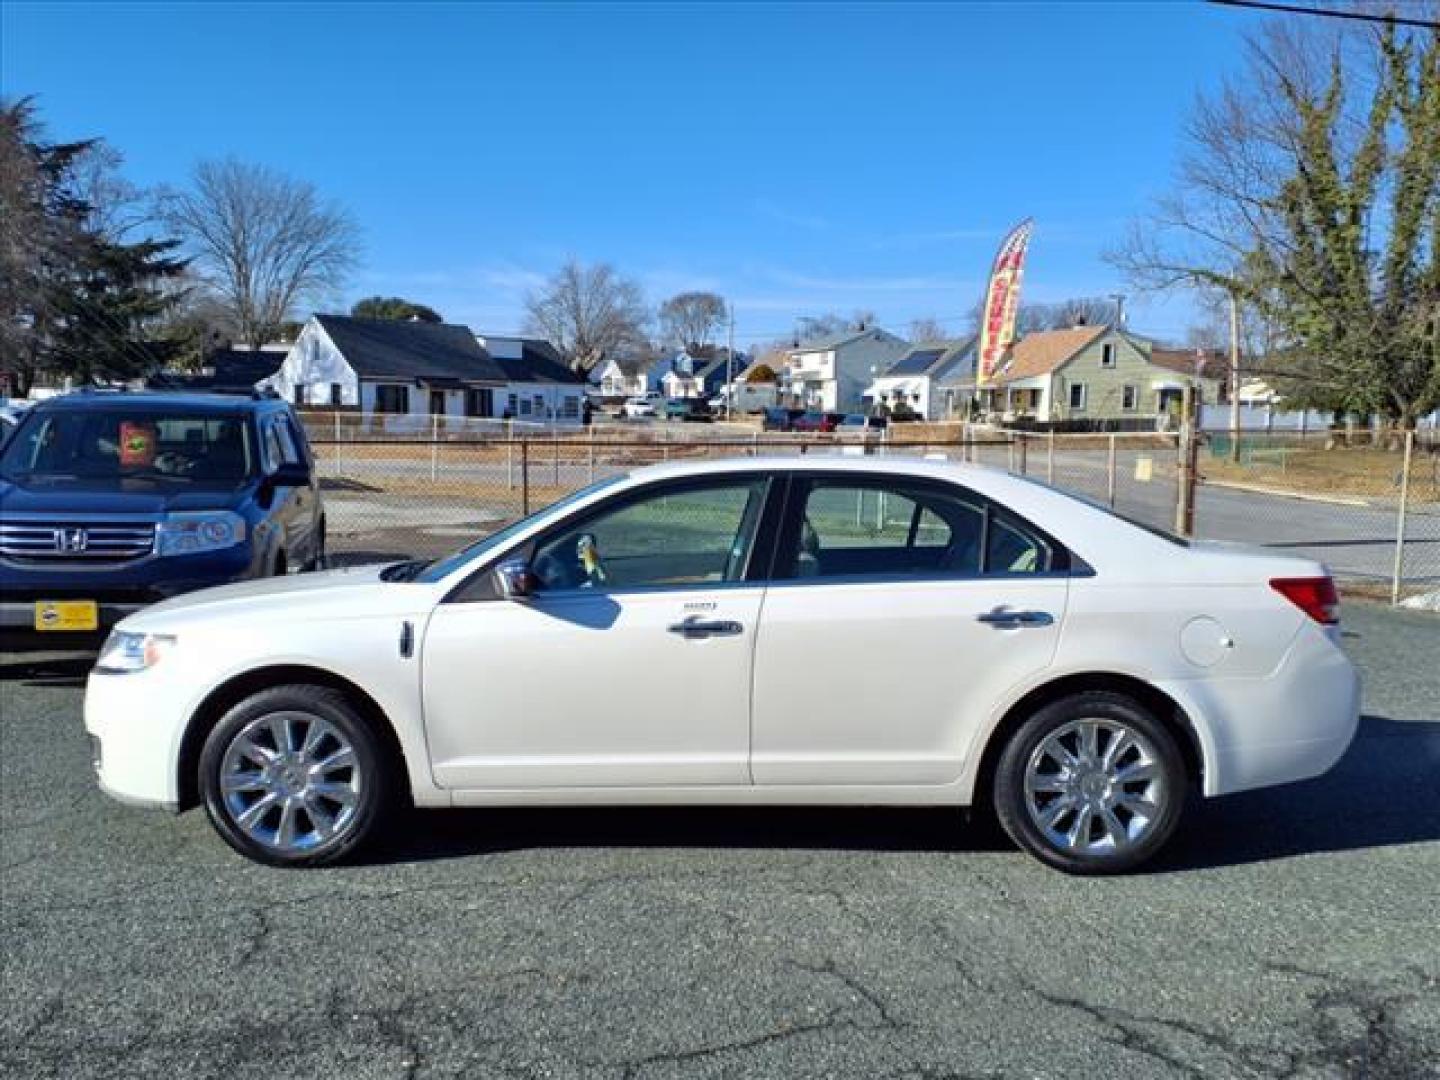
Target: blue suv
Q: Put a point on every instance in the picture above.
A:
(111, 501)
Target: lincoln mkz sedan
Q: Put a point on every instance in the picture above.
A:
(808, 630)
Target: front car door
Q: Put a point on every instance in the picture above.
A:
(628, 666)
(899, 608)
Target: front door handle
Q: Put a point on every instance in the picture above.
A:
(1014, 620)
(696, 627)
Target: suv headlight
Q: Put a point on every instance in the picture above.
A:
(188, 534)
(125, 651)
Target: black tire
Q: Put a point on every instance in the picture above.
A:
(317, 557)
(1155, 746)
(369, 784)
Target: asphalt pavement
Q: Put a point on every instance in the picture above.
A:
(1290, 933)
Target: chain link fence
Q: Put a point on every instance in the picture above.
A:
(427, 486)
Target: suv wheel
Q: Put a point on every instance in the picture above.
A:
(1091, 784)
(293, 776)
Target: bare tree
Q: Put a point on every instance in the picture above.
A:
(589, 313)
(1310, 191)
(926, 329)
(264, 241)
(690, 319)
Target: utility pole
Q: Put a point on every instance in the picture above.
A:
(730, 367)
(1234, 377)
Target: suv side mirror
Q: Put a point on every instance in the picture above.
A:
(514, 580)
(291, 474)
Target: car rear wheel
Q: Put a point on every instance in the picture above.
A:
(1091, 784)
(294, 776)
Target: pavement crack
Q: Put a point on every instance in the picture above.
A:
(830, 969)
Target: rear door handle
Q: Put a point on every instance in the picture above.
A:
(1014, 620)
(695, 627)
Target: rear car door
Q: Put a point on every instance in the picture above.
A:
(901, 610)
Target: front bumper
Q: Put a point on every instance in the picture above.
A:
(135, 735)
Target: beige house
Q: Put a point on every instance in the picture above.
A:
(1095, 374)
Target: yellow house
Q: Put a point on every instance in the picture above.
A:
(1095, 374)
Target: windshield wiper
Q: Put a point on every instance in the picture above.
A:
(405, 571)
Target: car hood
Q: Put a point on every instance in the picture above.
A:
(332, 594)
(142, 496)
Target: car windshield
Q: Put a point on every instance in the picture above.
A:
(124, 443)
(442, 568)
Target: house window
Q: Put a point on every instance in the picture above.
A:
(524, 405)
(479, 401)
(392, 399)
(1129, 396)
(512, 406)
(299, 393)
(570, 408)
(540, 404)
(1077, 396)
(1107, 355)
(336, 395)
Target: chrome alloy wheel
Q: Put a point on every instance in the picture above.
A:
(1094, 786)
(290, 781)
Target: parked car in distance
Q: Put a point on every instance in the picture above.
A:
(861, 426)
(689, 410)
(778, 418)
(638, 408)
(112, 501)
(816, 421)
(867, 631)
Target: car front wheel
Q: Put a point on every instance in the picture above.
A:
(1091, 784)
(294, 776)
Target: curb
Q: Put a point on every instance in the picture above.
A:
(1284, 494)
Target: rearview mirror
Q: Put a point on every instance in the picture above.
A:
(514, 580)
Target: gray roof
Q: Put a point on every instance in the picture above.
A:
(435, 352)
(934, 359)
(835, 340)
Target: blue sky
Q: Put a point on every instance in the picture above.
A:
(796, 159)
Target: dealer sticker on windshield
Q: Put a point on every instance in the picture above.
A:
(67, 615)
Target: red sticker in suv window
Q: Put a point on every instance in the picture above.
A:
(137, 444)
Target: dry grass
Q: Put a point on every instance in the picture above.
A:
(1342, 470)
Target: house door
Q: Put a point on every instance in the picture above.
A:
(437, 402)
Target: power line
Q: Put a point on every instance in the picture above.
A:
(1330, 13)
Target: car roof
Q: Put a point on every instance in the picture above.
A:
(151, 401)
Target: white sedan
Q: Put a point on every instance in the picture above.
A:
(637, 408)
(810, 630)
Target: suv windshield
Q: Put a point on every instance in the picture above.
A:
(125, 443)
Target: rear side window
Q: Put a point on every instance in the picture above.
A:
(861, 528)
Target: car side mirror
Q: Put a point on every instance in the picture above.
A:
(290, 474)
(514, 580)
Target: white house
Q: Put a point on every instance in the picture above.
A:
(629, 376)
(418, 370)
(831, 373)
(697, 377)
(914, 381)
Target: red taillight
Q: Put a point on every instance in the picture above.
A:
(1316, 596)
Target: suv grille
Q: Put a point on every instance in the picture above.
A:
(66, 541)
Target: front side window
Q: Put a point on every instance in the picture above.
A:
(1107, 356)
(1077, 395)
(1129, 396)
(392, 399)
(676, 538)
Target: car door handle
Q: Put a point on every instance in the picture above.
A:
(703, 628)
(1014, 620)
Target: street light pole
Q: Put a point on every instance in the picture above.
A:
(730, 368)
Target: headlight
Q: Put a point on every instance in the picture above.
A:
(187, 534)
(125, 651)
